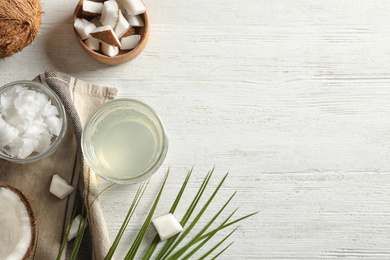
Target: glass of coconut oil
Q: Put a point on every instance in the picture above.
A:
(124, 141)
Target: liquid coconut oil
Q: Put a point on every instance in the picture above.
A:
(126, 144)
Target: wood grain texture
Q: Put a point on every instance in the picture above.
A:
(291, 97)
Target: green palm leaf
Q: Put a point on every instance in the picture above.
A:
(134, 248)
(192, 242)
(195, 221)
(203, 243)
(134, 204)
(36, 245)
(167, 251)
(156, 240)
(199, 238)
(65, 238)
(187, 215)
(223, 226)
(81, 228)
(223, 250)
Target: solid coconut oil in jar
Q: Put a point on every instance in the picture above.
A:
(124, 141)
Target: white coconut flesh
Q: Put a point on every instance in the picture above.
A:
(15, 229)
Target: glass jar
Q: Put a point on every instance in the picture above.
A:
(124, 141)
(56, 140)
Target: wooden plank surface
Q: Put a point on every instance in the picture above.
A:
(291, 97)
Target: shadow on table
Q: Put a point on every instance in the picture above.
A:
(65, 53)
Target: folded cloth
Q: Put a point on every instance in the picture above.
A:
(53, 215)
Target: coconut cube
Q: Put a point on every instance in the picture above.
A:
(167, 226)
(134, 20)
(43, 142)
(83, 27)
(49, 110)
(27, 147)
(130, 42)
(122, 26)
(8, 133)
(110, 13)
(109, 50)
(130, 31)
(53, 123)
(92, 43)
(96, 21)
(106, 34)
(133, 7)
(76, 223)
(92, 8)
(60, 187)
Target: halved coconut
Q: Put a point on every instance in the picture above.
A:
(17, 224)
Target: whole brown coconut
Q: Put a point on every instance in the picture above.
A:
(19, 25)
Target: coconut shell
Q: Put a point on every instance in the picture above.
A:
(33, 222)
(129, 32)
(19, 25)
(107, 36)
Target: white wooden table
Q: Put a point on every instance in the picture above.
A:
(291, 97)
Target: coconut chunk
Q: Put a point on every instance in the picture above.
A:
(134, 20)
(92, 8)
(133, 7)
(110, 13)
(75, 227)
(83, 27)
(130, 42)
(59, 187)
(122, 26)
(109, 50)
(167, 226)
(7, 100)
(92, 43)
(129, 32)
(49, 109)
(96, 21)
(53, 123)
(8, 133)
(106, 34)
(15, 228)
(43, 142)
(27, 147)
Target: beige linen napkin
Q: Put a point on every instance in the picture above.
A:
(80, 99)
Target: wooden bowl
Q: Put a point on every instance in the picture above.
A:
(123, 56)
(33, 222)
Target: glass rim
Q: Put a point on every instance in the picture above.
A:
(156, 163)
(61, 109)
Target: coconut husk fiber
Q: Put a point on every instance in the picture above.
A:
(19, 25)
